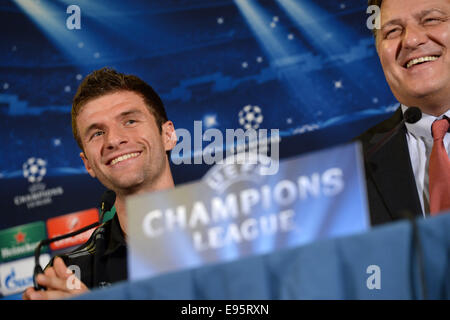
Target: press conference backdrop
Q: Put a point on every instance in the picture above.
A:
(307, 68)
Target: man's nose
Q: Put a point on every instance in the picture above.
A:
(414, 36)
(114, 138)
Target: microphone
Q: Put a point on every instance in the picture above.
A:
(412, 115)
(107, 202)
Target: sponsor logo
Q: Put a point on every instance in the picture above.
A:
(20, 241)
(69, 223)
(34, 170)
(18, 275)
(20, 237)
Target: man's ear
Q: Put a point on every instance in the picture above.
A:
(87, 165)
(169, 135)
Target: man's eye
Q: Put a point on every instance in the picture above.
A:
(431, 21)
(96, 134)
(131, 121)
(392, 33)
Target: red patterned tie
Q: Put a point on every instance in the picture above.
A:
(439, 171)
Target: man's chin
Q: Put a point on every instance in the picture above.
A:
(426, 86)
(416, 95)
(125, 186)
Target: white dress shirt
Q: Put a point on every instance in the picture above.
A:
(420, 143)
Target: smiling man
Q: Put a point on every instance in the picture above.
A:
(120, 124)
(411, 173)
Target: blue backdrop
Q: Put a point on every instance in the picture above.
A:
(310, 66)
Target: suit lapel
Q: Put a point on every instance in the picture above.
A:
(391, 171)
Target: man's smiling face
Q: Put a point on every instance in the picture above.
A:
(123, 146)
(413, 49)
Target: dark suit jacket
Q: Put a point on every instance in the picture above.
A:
(391, 187)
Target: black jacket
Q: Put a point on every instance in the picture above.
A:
(102, 260)
(391, 187)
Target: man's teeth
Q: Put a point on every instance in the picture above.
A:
(124, 157)
(421, 60)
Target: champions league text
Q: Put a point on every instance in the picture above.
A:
(228, 220)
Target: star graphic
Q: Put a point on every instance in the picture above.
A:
(20, 237)
(56, 142)
(210, 121)
(338, 84)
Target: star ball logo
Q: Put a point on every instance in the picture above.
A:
(34, 169)
(250, 117)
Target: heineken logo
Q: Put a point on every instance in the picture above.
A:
(20, 237)
(14, 252)
(20, 241)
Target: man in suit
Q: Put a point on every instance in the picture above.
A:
(413, 45)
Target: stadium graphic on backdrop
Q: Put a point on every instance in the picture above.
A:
(238, 65)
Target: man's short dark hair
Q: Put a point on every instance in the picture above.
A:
(375, 2)
(106, 81)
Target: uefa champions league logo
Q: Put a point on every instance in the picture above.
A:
(249, 167)
(250, 117)
(34, 169)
